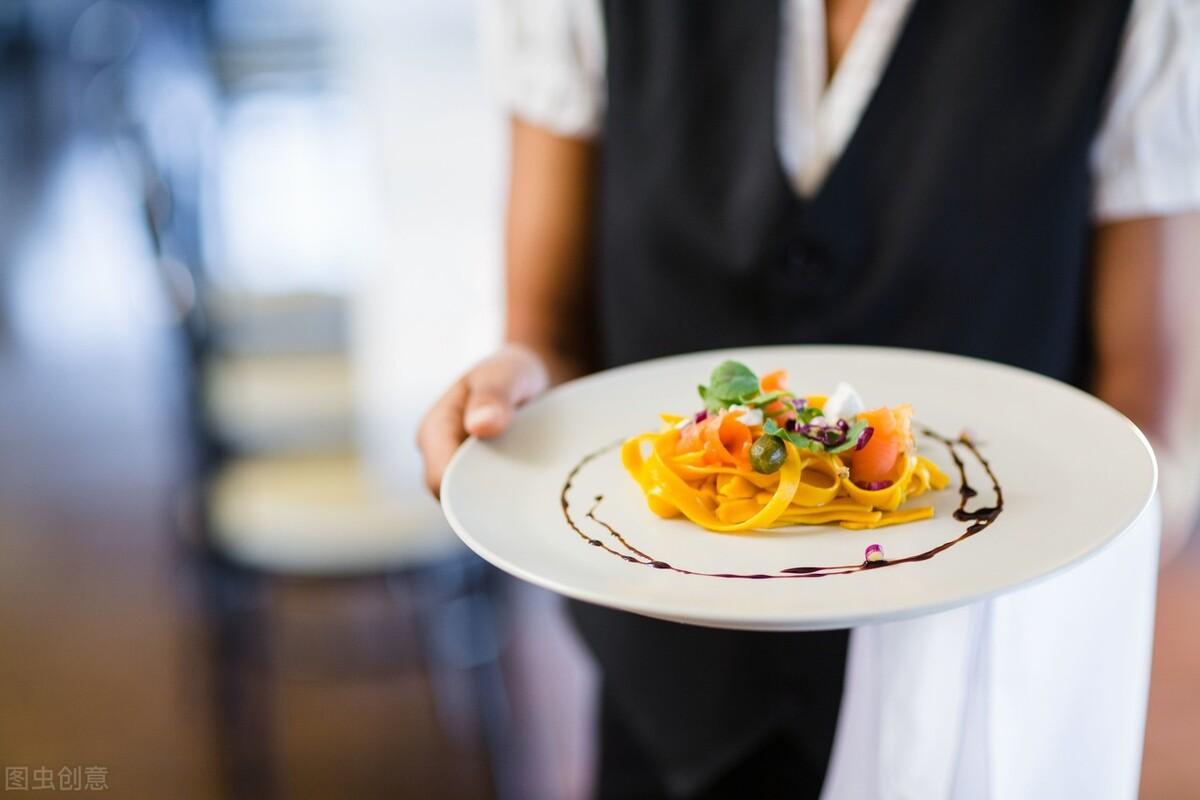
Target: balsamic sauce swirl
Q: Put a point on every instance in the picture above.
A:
(980, 518)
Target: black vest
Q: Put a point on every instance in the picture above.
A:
(957, 219)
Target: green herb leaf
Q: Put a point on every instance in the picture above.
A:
(851, 437)
(799, 439)
(802, 441)
(713, 403)
(809, 414)
(733, 382)
(760, 400)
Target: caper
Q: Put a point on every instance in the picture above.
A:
(767, 454)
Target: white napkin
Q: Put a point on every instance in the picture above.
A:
(1039, 693)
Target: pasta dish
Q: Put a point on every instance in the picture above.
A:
(758, 456)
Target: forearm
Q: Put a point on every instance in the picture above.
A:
(1147, 364)
(548, 249)
(1133, 336)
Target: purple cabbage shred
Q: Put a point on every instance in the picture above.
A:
(864, 437)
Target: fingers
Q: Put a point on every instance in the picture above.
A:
(497, 386)
(489, 406)
(441, 433)
(481, 404)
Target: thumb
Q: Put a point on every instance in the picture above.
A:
(489, 409)
(497, 386)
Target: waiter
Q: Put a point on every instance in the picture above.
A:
(993, 178)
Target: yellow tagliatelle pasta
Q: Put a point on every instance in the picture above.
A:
(704, 469)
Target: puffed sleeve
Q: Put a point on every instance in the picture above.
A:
(1146, 157)
(545, 62)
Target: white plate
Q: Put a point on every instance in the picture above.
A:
(1074, 473)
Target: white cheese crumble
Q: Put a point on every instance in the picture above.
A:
(749, 416)
(843, 403)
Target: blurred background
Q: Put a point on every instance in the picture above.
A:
(243, 244)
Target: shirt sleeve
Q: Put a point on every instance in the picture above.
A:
(1146, 156)
(545, 62)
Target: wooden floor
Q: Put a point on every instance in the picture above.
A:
(104, 654)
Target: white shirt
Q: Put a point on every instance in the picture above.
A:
(547, 61)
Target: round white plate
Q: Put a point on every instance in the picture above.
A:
(1074, 474)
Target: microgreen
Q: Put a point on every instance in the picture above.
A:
(771, 428)
(733, 384)
(736, 384)
(765, 399)
(733, 381)
(807, 415)
(851, 437)
(795, 437)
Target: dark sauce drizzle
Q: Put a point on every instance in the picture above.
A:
(980, 518)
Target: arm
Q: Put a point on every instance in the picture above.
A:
(548, 248)
(1148, 349)
(548, 307)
